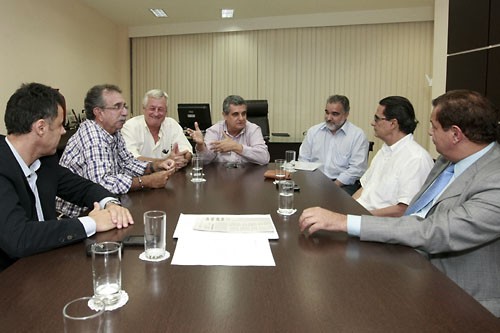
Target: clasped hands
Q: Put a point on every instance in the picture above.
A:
(113, 216)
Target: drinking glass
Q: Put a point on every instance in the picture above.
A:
(280, 173)
(290, 160)
(155, 234)
(197, 171)
(107, 272)
(79, 317)
(285, 205)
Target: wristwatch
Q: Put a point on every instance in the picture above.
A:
(115, 201)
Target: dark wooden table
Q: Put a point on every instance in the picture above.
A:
(325, 283)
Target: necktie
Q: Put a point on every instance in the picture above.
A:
(432, 191)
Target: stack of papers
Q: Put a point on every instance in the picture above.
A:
(231, 240)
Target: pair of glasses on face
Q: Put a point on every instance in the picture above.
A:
(377, 118)
(116, 107)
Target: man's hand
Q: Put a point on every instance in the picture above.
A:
(167, 165)
(114, 216)
(157, 179)
(318, 218)
(226, 145)
(196, 134)
(181, 158)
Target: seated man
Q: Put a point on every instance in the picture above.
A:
(153, 135)
(97, 150)
(234, 139)
(340, 146)
(30, 179)
(454, 218)
(400, 167)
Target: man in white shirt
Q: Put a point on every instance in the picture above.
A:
(153, 135)
(400, 167)
(340, 146)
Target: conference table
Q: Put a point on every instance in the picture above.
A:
(326, 282)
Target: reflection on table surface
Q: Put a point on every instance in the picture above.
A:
(324, 283)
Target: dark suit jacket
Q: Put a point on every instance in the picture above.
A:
(461, 232)
(21, 234)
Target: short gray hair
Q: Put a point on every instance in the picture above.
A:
(232, 100)
(154, 93)
(343, 100)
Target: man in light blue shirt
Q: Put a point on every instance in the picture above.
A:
(459, 229)
(340, 146)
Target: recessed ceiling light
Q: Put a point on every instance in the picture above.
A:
(227, 13)
(158, 12)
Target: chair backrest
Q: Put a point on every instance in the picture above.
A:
(257, 113)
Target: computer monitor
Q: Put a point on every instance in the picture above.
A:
(189, 113)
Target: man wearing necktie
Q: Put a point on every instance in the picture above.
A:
(458, 223)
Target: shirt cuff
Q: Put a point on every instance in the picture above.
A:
(89, 225)
(104, 201)
(354, 225)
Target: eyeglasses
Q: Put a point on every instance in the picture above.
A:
(377, 118)
(116, 107)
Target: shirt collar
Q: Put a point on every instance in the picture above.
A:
(224, 128)
(398, 145)
(26, 170)
(462, 165)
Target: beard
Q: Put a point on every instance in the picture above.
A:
(333, 127)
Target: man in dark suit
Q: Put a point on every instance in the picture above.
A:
(30, 179)
(458, 227)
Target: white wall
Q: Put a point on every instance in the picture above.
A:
(62, 44)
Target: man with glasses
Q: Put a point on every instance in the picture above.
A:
(97, 150)
(340, 146)
(454, 219)
(400, 167)
(153, 135)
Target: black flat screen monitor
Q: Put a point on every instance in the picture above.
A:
(189, 113)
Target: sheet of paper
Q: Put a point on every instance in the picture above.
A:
(186, 224)
(235, 224)
(223, 249)
(307, 166)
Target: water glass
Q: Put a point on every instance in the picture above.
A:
(79, 317)
(285, 205)
(107, 271)
(290, 160)
(280, 173)
(197, 171)
(155, 234)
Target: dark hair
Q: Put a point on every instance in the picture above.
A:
(232, 100)
(339, 99)
(473, 113)
(31, 102)
(400, 108)
(95, 99)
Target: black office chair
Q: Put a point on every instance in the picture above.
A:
(257, 113)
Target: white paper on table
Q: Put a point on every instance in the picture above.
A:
(226, 249)
(307, 166)
(186, 223)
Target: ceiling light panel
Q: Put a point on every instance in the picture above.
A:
(158, 12)
(227, 13)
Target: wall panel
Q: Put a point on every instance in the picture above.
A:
(295, 70)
